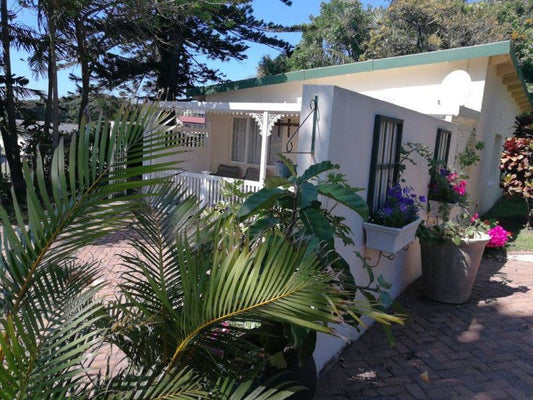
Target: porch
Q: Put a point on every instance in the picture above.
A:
(238, 141)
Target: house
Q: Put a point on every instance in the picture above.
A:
(357, 115)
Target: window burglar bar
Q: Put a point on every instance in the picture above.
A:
(384, 165)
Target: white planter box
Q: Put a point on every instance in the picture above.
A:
(390, 240)
(434, 216)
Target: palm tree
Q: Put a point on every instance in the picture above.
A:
(194, 296)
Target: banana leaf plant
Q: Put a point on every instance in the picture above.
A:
(295, 206)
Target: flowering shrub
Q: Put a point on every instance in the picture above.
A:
(446, 186)
(400, 208)
(498, 236)
(465, 226)
(517, 171)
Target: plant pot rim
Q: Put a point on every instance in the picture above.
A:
(387, 228)
(480, 237)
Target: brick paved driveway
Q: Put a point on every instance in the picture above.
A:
(480, 350)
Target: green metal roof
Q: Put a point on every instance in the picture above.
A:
(462, 53)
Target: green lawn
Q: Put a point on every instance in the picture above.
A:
(511, 213)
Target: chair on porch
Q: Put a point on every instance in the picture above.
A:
(228, 171)
(251, 174)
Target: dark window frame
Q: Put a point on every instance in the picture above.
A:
(393, 156)
(442, 134)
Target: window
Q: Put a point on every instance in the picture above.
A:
(384, 165)
(246, 142)
(442, 146)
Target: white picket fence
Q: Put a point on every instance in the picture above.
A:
(208, 188)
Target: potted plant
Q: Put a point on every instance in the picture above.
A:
(451, 253)
(447, 194)
(394, 226)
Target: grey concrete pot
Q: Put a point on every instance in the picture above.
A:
(449, 271)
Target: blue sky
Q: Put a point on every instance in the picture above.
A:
(269, 10)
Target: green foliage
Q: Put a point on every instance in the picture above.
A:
(335, 36)
(272, 66)
(517, 172)
(465, 226)
(194, 294)
(523, 126)
(470, 155)
(407, 155)
(409, 27)
(302, 208)
(294, 204)
(511, 212)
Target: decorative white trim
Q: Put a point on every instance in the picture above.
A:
(272, 119)
(292, 109)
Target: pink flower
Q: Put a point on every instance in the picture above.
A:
(452, 177)
(459, 189)
(498, 237)
(474, 217)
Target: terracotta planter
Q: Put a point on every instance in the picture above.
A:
(390, 240)
(434, 217)
(449, 271)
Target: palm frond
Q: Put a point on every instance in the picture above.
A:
(95, 194)
(46, 361)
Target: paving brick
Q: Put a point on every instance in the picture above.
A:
(479, 350)
(416, 391)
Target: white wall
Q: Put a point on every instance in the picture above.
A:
(344, 136)
(495, 123)
(417, 87)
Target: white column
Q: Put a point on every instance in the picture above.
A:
(264, 147)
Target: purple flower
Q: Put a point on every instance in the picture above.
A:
(403, 207)
(387, 211)
(444, 172)
(422, 199)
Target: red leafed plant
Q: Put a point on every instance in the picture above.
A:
(517, 168)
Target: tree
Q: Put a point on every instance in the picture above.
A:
(335, 36)
(86, 30)
(7, 105)
(158, 43)
(48, 48)
(273, 66)
(411, 26)
(514, 20)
